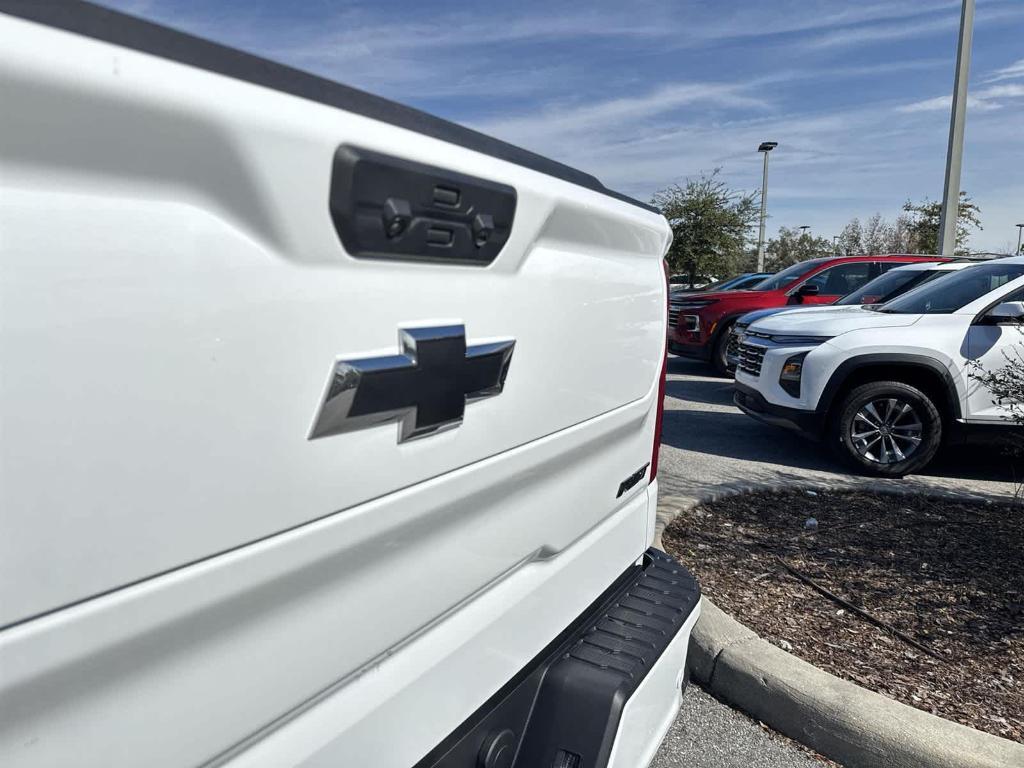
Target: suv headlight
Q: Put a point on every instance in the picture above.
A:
(792, 371)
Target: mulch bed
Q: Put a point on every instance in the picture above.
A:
(947, 574)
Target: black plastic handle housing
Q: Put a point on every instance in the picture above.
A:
(385, 207)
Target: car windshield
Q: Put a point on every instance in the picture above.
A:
(789, 275)
(955, 290)
(718, 284)
(747, 282)
(886, 287)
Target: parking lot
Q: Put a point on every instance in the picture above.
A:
(709, 446)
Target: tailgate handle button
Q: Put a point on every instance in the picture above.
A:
(446, 197)
(439, 236)
(397, 215)
(483, 226)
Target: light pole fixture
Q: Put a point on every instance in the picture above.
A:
(1019, 228)
(957, 118)
(765, 147)
(803, 229)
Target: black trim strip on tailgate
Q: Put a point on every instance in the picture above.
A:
(563, 708)
(131, 32)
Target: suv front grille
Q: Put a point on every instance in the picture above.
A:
(673, 315)
(732, 348)
(751, 358)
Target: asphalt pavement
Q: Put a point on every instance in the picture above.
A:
(709, 446)
(709, 734)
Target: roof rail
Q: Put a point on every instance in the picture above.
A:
(982, 256)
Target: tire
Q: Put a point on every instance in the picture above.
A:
(718, 359)
(887, 429)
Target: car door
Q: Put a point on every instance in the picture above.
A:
(991, 347)
(835, 282)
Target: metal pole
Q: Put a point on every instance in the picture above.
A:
(1019, 228)
(957, 118)
(764, 203)
(835, 244)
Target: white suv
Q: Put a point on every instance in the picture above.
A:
(886, 385)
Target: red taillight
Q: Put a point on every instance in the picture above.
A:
(658, 419)
(661, 392)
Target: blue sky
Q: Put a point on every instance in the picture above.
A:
(646, 93)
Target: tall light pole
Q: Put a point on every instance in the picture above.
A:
(957, 118)
(835, 245)
(803, 229)
(1019, 228)
(765, 148)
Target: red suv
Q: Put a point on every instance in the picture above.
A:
(699, 323)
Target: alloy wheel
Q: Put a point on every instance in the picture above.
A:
(886, 430)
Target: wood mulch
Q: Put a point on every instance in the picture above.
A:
(935, 591)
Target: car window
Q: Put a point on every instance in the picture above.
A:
(748, 282)
(842, 278)
(1017, 295)
(956, 290)
(882, 288)
(789, 275)
(718, 284)
(885, 266)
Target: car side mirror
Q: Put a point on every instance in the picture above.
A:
(809, 289)
(1007, 312)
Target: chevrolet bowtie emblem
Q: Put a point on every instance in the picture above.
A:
(425, 387)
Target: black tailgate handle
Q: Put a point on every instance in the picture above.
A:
(385, 207)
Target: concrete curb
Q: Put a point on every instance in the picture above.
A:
(837, 718)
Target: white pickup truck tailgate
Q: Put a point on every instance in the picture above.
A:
(174, 296)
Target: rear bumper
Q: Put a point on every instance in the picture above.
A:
(603, 693)
(753, 403)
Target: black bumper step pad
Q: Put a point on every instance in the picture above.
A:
(563, 709)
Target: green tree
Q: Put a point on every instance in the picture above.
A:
(792, 246)
(924, 224)
(877, 235)
(710, 225)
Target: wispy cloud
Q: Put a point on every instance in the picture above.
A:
(610, 117)
(793, 17)
(1013, 72)
(914, 23)
(873, 34)
(986, 100)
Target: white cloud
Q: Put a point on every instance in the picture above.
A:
(1012, 72)
(782, 17)
(986, 100)
(911, 25)
(607, 119)
(898, 29)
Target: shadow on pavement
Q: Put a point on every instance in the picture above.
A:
(975, 462)
(731, 434)
(710, 391)
(690, 367)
